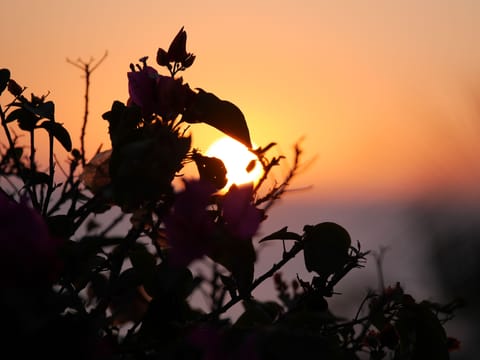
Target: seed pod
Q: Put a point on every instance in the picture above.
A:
(326, 248)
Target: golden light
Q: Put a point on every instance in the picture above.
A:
(237, 160)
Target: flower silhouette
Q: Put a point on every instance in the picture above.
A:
(27, 251)
(189, 226)
(242, 218)
(157, 94)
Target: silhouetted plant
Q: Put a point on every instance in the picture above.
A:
(71, 289)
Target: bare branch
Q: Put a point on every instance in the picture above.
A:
(87, 68)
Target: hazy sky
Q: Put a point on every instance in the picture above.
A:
(385, 93)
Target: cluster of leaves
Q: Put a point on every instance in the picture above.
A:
(72, 289)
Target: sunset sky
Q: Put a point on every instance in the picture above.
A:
(384, 94)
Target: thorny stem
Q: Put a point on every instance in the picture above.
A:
(33, 166)
(287, 256)
(278, 191)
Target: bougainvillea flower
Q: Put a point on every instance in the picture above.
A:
(242, 218)
(189, 225)
(142, 88)
(172, 96)
(27, 251)
(155, 93)
(177, 52)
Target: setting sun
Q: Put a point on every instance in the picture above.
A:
(236, 159)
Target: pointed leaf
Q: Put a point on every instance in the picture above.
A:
(26, 119)
(4, 77)
(282, 234)
(221, 114)
(15, 115)
(59, 132)
(177, 50)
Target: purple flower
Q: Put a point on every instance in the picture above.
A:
(242, 218)
(193, 232)
(189, 225)
(142, 88)
(27, 251)
(158, 94)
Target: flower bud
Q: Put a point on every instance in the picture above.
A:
(326, 248)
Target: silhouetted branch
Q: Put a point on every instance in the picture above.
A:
(87, 68)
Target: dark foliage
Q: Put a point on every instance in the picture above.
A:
(72, 290)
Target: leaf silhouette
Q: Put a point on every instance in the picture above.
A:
(59, 132)
(26, 119)
(282, 234)
(238, 256)
(221, 114)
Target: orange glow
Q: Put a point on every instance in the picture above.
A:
(236, 159)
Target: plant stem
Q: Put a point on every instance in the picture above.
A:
(16, 160)
(287, 256)
(51, 174)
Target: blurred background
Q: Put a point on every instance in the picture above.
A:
(384, 96)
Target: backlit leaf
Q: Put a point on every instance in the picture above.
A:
(59, 132)
(221, 114)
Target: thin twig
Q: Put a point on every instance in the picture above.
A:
(287, 256)
(87, 69)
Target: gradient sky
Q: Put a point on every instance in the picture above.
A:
(385, 93)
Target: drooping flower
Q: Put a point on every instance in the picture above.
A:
(189, 225)
(234, 249)
(242, 218)
(226, 238)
